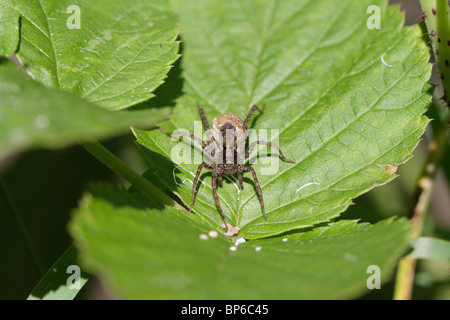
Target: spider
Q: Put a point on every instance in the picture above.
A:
(226, 146)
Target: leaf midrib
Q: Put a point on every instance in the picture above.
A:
(260, 52)
(305, 57)
(116, 72)
(51, 42)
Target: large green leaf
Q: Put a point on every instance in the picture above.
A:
(347, 101)
(145, 253)
(33, 116)
(116, 58)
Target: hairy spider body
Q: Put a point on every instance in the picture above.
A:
(227, 147)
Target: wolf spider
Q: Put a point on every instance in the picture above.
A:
(231, 134)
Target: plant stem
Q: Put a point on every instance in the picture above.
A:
(23, 233)
(136, 180)
(405, 278)
(421, 198)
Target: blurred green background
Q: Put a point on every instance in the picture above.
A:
(47, 185)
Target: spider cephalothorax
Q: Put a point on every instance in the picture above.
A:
(226, 145)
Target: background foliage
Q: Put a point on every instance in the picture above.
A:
(270, 55)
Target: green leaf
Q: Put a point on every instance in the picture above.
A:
(431, 248)
(33, 116)
(53, 286)
(9, 29)
(110, 52)
(145, 253)
(347, 101)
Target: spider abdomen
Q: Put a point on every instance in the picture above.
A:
(230, 132)
(230, 119)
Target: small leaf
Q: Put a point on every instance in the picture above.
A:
(345, 103)
(431, 248)
(145, 253)
(116, 57)
(33, 116)
(53, 286)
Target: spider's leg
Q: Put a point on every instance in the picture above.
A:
(240, 180)
(206, 124)
(252, 110)
(205, 121)
(210, 151)
(258, 188)
(273, 145)
(194, 184)
(216, 196)
(220, 179)
(185, 134)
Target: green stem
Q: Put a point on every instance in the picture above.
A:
(405, 278)
(136, 180)
(23, 233)
(422, 196)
